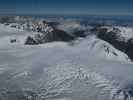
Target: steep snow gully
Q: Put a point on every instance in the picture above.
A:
(91, 69)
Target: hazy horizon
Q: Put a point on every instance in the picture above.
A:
(91, 7)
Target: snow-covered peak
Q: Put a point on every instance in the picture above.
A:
(103, 49)
(126, 32)
(38, 26)
(122, 33)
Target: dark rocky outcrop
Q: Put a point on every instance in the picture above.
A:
(55, 35)
(13, 40)
(80, 33)
(30, 41)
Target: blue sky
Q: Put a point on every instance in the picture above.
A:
(124, 7)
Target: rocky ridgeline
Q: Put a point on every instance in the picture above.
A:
(114, 36)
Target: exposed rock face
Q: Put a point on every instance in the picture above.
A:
(13, 40)
(30, 41)
(40, 38)
(114, 38)
(48, 33)
(80, 34)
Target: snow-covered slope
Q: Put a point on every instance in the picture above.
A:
(8, 34)
(59, 71)
(78, 70)
(105, 50)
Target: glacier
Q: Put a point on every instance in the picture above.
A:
(84, 69)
